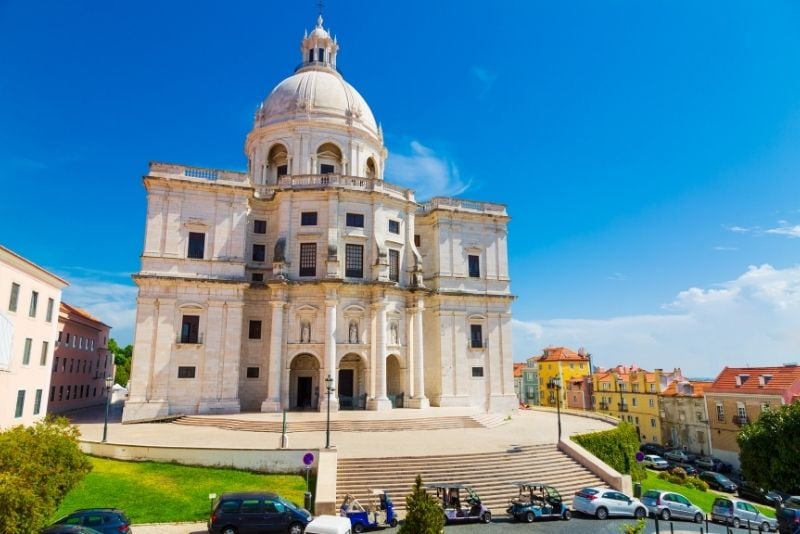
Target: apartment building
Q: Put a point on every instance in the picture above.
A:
(684, 420)
(561, 364)
(530, 382)
(579, 393)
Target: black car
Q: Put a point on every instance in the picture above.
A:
(653, 448)
(789, 520)
(751, 492)
(105, 520)
(718, 481)
(256, 512)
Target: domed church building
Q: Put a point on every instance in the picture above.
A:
(258, 290)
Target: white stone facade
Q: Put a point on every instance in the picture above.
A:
(256, 286)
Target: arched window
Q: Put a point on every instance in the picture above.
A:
(329, 159)
(278, 161)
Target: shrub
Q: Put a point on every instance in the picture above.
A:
(423, 514)
(679, 472)
(617, 448)
(696, 483)
(636, 528)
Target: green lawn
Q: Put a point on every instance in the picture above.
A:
(151, 492)
(703, 499)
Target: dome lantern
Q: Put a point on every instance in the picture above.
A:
(319, 48)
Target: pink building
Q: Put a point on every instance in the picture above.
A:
(81, 361)
(579, 393)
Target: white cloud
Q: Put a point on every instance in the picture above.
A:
(739, 229)
(424, 171)
(618, 277)
(752, 320)
(723, 248)
(786, 230)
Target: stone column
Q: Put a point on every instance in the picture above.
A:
(273, 401)
(380, 401)
(330, 356)
(419, 400)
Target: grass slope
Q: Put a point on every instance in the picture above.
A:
(703, 499)
(151, 492)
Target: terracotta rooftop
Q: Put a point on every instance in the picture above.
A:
(69, 308)
(518, 367)
(561, 354)
(698, 386)
(772, 380)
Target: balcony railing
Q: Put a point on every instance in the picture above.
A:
(622, 407)
(189, 340)
(740, 420)
(458, 204)
(603, 405)
(324, 181)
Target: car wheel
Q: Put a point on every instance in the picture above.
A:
(736, 522)
(601, 513)
(529, 517)
(228, 530)
(358, 528)
(765, 527)
(296, 528)
(665, 514)
(640, 513)
(567, 515)
(486, 517)
(698, 518)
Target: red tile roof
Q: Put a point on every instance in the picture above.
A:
(69, 308)
(518, 367)
(698, 386)
(562, 354)
(777, 381)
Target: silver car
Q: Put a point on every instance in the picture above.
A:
(654, 461)
(667, 505)
(740, 513)
(603, 503)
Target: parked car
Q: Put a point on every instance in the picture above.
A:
(677, 455)
(718, 481)
(105, 520)
(706, 463)
(789, 519)
(751, 492)
(256, 512)
(603, 503)
(688, 468)
(738, 513)
(667, 505)
(655, 462)
(653, 448)
(460, 504)
(69, 529)
(536, 501)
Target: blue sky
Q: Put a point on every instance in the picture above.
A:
(647, 152)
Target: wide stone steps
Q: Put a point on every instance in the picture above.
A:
(396, 425)
(490, 474)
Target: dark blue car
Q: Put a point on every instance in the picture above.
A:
(255, 512)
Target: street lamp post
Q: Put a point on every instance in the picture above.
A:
(555, 385)
(109, 384)
(330, 389)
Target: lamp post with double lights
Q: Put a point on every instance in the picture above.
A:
(554, 384)
(109, 384)
(330, 389)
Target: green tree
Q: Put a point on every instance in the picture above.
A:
(39, 465)
(122, 359)
(423, 513)
(770, 448)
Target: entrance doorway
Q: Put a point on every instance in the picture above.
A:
(345, 382)
(304, 382)
(303, 392)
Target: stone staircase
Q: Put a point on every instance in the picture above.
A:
(489, 474)
(395, 425)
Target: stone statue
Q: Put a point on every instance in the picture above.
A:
(353, 332)
(393, 334)
(280, 250)
(305, 332)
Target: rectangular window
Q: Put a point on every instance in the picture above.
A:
(394, 265)
(258, 277)
(259, 252)
(186, 372)
(34, 303)
(325, 168)
(355, 219)
(52, 393)
(283, 170)
(308, 218)
(720, 412)
(26, 355)
(197, 245)
(259, 226)
(474, 266)
(252, 372)
(652, 422)
(190, 329)
(308, 259)
(55, 364)
(354, 261)
(476, 336)
(394, 227)
(60, 392)
(255, 330)
(651, 403)
(12, 301)
(633, 401)
(45, 348)
(20, 403)
(477, 372)
(417, 240)
(49, 315)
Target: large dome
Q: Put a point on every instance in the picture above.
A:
(316, 93)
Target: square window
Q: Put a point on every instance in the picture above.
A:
(308, 218)
(197, 245)
(258, 277)
(26, 355)
(476, 336)
(252, 372)
(355, 219)
(394, 227)
(186, 372)
(49, 315)
(34, 303)
(259, 252)
(474, 266)
(20, 403)
(255, 330)
(259, 227)
(12, 301)
(354, 261)
(477, 372)
(190, 329)
(308, 259)
(394, 265)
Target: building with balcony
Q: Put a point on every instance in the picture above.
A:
(579, 393)
(257, 286)
(530, 382)
(81, 361)
(684, 421)
(738, 396)
(29, 300)
(557, 366)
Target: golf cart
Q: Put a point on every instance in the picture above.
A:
(460, 503)
(537, 501)
(378, 514)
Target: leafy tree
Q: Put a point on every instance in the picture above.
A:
(122, 359)
(769, 449)
(423, 513)
(39, 465)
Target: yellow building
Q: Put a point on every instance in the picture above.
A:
(563, 364)
(633, 395)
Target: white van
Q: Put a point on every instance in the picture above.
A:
(328, 524)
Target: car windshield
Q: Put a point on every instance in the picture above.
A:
(651, 494)
(723, 503)
(289, 504)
